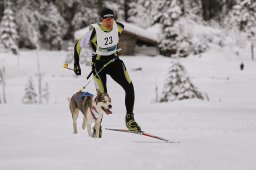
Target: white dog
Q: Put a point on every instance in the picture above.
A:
(92, 109)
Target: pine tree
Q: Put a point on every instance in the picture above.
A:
(84, 17)
(243, 17)
(85, 56)
(2, 49)
(192, 9)
(168, 13)
(28, 18)
(1, 82)
(53, 24)
(66, 9)
(117, 7)
(178, 85)
(30, 93)
(8, 30)
(45, 93)
(78, 14)
(140, 13)
(70, 52)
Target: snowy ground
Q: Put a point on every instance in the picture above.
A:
(219, 134)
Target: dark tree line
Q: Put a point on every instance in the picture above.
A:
(51, 21)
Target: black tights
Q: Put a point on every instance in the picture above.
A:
(119, 74)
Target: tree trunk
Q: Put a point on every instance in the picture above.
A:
(39, 74)
(2, 81)
(4, 96)
(40, 87)
(252, 48)
(126, 9)
(206, 6)
(100, 5)
(59, 46)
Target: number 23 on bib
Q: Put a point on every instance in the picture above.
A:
(106, 41)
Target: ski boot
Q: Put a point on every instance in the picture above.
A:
(131, 124)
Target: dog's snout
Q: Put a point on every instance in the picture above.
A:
(110, 106)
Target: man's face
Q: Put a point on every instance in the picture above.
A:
(108, 23)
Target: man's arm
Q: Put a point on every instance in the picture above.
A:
(85, 40)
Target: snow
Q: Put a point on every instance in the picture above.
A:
(218, 134)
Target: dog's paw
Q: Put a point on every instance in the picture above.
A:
(96, 137)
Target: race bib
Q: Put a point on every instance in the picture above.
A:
(106, 41)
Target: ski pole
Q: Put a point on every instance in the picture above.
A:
(66, 67)
(104, 66)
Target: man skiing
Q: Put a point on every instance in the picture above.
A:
(103, 38)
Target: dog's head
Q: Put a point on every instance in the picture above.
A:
(103, 103)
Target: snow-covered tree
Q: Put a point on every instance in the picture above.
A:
(8, 30)
(140, 12)
(2, 49)
(77, 14)
(53, 26)
(45, 93)
(243, 17)
(192, 9)
(117, 7)
(178, 85)
(28, 19)
(84, 17)
(168, 13)
(85, 56)
(30, 96)
(70, 52)
(39, 21)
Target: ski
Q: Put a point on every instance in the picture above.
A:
(142, 133)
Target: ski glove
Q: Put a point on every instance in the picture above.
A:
(77, 69)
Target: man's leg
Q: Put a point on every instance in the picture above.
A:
(99, 78)
(119, 73)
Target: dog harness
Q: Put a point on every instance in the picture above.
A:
(84, 94)
(93, 111)
(79, 98)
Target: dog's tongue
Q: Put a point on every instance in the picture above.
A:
(108, 111)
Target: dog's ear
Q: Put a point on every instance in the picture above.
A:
(98, 92)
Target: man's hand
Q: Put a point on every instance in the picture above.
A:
(77, 69)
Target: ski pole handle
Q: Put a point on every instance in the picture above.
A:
(66, 67)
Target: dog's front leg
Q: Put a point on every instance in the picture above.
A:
(97, 129)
